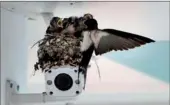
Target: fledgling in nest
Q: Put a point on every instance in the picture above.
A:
(58, 48)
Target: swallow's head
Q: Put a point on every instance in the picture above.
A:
(91, 24)
(70, 25)
(55, 25)
(88, 16)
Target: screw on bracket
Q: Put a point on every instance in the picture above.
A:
(49, 71)
(49, 82)
(75, 71)
(11, 85)
(17, 87)
(51, 93)
(77, 81)
(77, 92)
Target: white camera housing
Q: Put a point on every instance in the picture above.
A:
(70, 93)
(63, 82)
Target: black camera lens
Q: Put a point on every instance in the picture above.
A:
(63, 82)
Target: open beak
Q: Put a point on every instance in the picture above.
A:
(60, 23)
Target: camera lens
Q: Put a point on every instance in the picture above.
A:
(63, 82)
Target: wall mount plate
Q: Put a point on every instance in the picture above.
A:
(11, 88)
(13, 97)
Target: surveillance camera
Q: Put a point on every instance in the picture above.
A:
(63, 82)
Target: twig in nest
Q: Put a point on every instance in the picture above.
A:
(49, 36)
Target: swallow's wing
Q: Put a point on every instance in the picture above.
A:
(109, 39)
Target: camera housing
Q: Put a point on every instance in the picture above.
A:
(63, 82)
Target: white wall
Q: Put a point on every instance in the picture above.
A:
(150, 19)
(35, 30)
(13, 50)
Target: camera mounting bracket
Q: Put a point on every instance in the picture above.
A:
(13, 97)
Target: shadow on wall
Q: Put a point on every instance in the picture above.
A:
(152, 59)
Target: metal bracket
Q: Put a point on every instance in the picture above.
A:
(13, 97)
(11, 88)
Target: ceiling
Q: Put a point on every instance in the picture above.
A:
(146, 18)
(34, 8)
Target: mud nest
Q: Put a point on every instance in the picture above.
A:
(57, 49)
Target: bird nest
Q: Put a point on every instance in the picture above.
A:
(58, 49)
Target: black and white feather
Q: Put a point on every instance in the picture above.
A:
(103, 41)
(110, 39)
